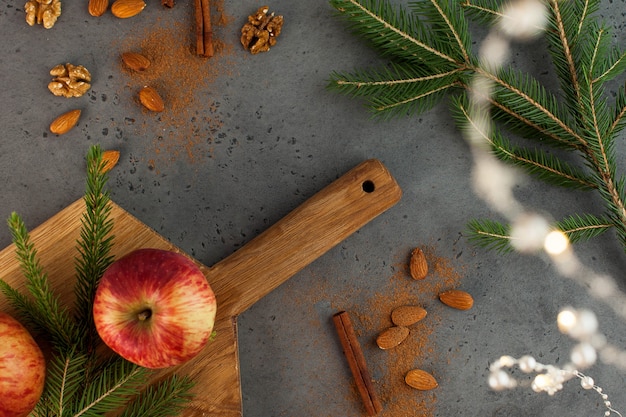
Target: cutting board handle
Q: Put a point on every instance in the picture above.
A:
(320, 223)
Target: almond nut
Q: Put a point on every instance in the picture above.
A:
(109, 160)
(151, 100)
(407, 315)
(98, 7)
(135, 61)
(418, 266)
(457, 299)
(65, 122)
(392, 337)
(421, 380)
(127, 8)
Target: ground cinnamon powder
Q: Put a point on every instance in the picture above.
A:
(186, 129)
(419, 350)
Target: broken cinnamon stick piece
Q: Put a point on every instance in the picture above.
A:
(197, 4)
(356, 361)
(207, 30)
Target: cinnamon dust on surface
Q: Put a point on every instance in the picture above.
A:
(419, 350)
(186, 129)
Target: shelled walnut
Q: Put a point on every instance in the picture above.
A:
(261, 31)
(69, 80)
(42, 12)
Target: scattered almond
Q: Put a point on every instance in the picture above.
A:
(151, 100)
(392, 337)
(98, 7)
(65, 122)
(457, 299)
(418, 266)
(127, 8)
(135, 61)
(407, 315)
(110, 158)
(421, 380)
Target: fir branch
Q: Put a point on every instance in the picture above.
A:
(525, 97)
(65, 377)
(168, 398)
(583, 227)
(490, 234)
(45, 310)
(483, 11)
(447, 20)
(393, 32)
(78, 383)
(94, 245)
(535, 161)
(620, 110)
(112, 388)
(578, 120)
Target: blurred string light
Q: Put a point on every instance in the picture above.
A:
(494, 182)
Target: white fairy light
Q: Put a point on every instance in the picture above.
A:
(583, 355)
(566, 320)
(494, 183)
(556, 242)
(523, 19)
(528, 232)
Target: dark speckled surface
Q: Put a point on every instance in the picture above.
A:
(269, 135)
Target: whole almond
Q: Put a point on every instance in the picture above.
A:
(418, 267)
(421, 380)
(457, 299)
(65, 122)
(392, 337)
(127, 8)
(407, 315)
(109, 159)
(135, 61)
(98, 7)
(151, 100)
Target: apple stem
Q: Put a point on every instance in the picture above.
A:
(144, 315)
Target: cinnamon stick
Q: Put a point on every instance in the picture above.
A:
(197, 4)
(356, 362)
(207, 30)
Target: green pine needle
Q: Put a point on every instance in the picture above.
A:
(94, 245)
(427, 44)
(45, 310)
(490, 234)
(583, 227)
(78, 382)
(166, 399)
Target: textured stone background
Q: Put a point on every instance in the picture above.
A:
(271, 135)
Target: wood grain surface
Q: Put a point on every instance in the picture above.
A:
(239, 280)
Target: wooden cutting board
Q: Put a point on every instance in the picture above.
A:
(239, 280)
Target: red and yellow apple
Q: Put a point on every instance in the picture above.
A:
(154, 308)
(22, 369)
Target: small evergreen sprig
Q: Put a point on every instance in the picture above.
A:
(428, 46)
(80, 383)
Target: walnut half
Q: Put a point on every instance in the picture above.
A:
(261, 31)
(69, 80)
(42, 12)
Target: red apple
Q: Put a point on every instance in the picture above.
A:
(154, 308)
(22, 369)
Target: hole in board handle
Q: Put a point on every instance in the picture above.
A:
(368, 186)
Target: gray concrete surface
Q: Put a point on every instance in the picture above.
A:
(275, 137)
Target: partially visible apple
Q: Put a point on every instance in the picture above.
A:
(22, 369)
(154, 308)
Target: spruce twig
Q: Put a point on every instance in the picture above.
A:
(45, 312)
(78, 382)
(427, 45)
(94, 245)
